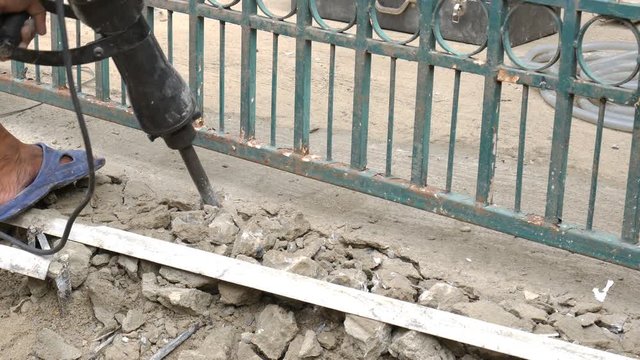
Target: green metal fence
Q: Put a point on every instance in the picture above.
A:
(366, 38)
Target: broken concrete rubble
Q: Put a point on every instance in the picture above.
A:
(156, 218)
(525, 311)
(368, 339)
(293, 227)
(130, 265)
(190, 233)
(275, 328)
(293, 351)
(353, 278)
(392, 284)
(237, 295)
(313, 243)
(51, 346)
(257, 237)
(571, 329)
(37, 288)
(245, 352)
(614, 322)
(223, 229)
(401, 267)
(122, 348)
(243, 323)
(300, 265)
(133, 320)
(100, 259)
(78, 258)
(587, 319)
(493, 313)
(631, 339)
(586, 307)
(328, 340)
(106, 298)
(412, 345)
(190, 280)
(310, 347)
(442, 296)
(217, 345)
(369, 259)
(192, 301)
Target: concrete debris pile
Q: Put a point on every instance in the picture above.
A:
(140, 306)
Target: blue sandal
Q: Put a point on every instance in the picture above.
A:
(52, 175)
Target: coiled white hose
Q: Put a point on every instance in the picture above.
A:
(609, 61)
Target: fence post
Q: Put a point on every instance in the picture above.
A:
(248, 72)
(302, 115)
(362, 87)
(102, 78)
(57, 72)
(491, 105)
(630, 224)
(563, 115)
(424, 96)
(196, 52)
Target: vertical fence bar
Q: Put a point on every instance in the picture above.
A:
(491, 105)
(596, 165)
(123, 85)
(78, 67)
(274, 89)
(36, 46)
(302, 117)
(362, 87)
(524, 109)
(123, 93)
(391, 118)
(563, 115)
(221, 110)
(332, 81)
(17, 69)
(170, 36)
(248, 72)
(631, 220)
(57, 72)
(196, 53)
(102, 78)
(150, 16)
(454, 127)
(424, 97)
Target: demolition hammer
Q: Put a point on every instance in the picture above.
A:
(162, 102)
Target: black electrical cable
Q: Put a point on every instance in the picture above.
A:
(85, 138)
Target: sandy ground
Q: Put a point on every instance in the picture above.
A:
(498, 265)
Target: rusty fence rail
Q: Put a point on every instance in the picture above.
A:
(429, 50)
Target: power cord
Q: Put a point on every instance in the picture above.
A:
(85, 138)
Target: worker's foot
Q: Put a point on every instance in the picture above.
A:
(19, 165)
(29, 172)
